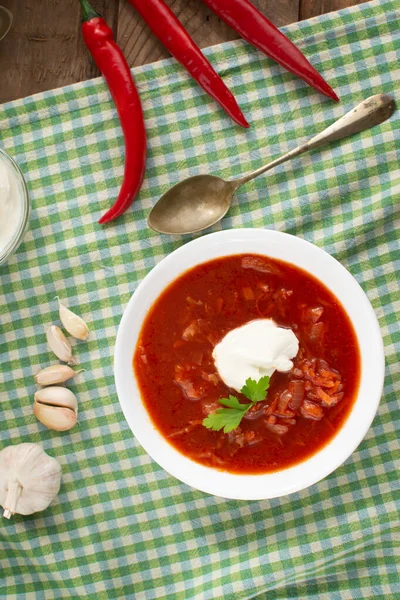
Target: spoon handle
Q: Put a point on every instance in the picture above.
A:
(370, 112)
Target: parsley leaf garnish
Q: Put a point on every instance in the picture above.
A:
(229, 418)
(233, 402)
(256, 390)
(225, 418)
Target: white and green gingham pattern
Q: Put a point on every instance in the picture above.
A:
(121, 527)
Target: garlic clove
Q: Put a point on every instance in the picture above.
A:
(29, 479)
(59, 344)
(58, 396)
(56, 407)
(55, 374)
(72, 323)
(55, 417)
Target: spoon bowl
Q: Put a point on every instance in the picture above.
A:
(192, 205)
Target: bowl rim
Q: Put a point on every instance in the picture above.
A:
(320, 464)
(10, 18)
(18, 236)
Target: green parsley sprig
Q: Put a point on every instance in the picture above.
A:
(229, 418)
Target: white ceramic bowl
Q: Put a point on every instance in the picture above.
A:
(18, 234)
(310, 258)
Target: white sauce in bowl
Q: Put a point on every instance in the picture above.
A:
(11, 202)
(253, 350)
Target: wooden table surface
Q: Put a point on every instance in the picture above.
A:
(44, 48)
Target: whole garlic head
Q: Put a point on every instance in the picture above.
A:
(29, 479)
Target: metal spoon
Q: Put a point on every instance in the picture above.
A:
(200, 201)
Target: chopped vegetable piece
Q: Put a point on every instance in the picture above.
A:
(212, 377)
(278, 429)
(309, 410)
(316, 332)
(297, 390)
(209, 406)
(255, 411)
(312, 314)
(189, 389)
(185, 379)
(193, 302)
(329, 374)
(328, 399)
(319, 392)
(248, 293)
(283, 402)
(260, 264)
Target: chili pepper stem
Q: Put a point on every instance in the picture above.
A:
(88, 11)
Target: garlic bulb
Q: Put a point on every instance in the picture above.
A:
(55, 374)
(72, 323)
(56, 407)
(59, 344)
(29, 479)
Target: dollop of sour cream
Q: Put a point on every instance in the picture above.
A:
(253, 350)
(10, 203)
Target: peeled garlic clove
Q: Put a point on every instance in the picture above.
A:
(56, 407)
(72, 323)
(55, 374)
(57, 396)
(54, 417)
(29, 479)
(59, 344)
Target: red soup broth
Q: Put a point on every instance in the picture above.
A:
(180, 386)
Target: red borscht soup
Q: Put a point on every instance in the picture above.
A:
(180, 385)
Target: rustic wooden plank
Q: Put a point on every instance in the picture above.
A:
(44, 48)
(141, 47)
(313, 8)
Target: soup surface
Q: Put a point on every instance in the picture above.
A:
(180, 386)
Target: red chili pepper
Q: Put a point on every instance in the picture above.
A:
(178, 42)
(254, 27)
(112, 63)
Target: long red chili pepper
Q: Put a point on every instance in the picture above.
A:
(111, 62)
(178, 42)
(254, 27)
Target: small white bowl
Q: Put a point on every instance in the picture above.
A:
(18, 234)
(310, 258)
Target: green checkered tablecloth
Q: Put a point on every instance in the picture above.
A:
(121, 527)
